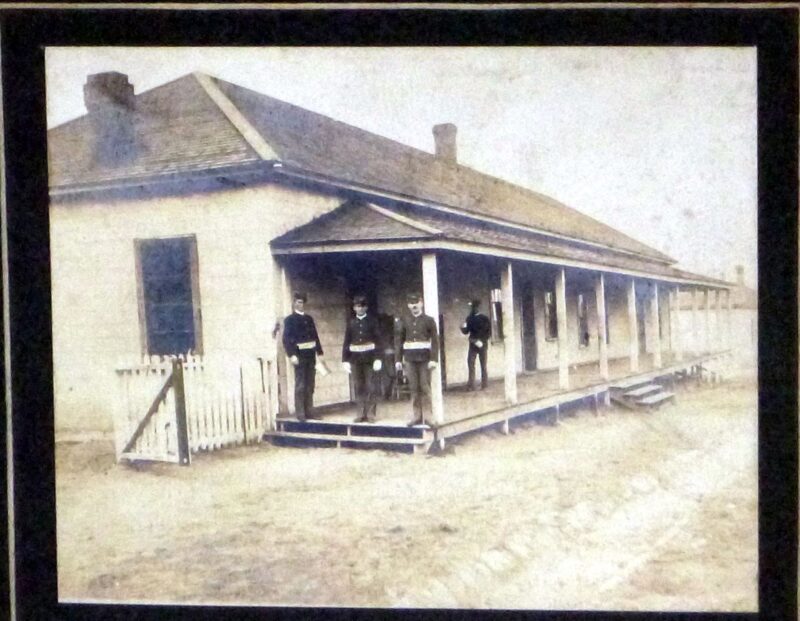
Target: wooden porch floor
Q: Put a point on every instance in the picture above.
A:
(536, 388)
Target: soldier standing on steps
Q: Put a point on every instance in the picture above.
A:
(361, 357)
(301, 343)
(416, 342)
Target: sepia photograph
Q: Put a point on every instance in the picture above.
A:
(405, 327)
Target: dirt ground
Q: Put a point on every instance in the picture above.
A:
(625, 511)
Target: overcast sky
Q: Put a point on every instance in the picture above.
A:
(659, 143)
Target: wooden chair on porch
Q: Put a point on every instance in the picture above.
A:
(400, 389)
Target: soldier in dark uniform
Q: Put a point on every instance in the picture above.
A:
(479, 329)
(416, 340)
(301, 342)
(361, 356)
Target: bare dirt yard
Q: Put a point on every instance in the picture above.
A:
(625, 510)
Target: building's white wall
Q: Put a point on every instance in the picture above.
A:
(547, 349)
(95, 311)
(619, 332)
(461, 279)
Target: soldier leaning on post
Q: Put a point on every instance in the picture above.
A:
(361, 357)
(416, 341)
(301, 343)
(479, 329)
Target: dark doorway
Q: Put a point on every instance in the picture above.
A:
(528, 330)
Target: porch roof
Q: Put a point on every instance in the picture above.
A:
(361, 226)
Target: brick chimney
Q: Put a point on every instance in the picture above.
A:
(740, 275)
(110, 102)
(444, 135)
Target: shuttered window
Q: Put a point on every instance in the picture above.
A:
(550, 316)
(583, 321)
(169, 301)
(496, 297)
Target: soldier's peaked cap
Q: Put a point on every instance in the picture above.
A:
(360, 299)
(300, 295)
(413, 298)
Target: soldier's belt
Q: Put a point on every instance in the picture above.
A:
(416, 345)
(362, 347)
(307, 345)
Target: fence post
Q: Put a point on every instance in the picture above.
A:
(184, 456)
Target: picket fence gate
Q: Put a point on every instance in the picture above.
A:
(172, 406)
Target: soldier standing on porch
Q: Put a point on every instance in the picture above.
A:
(479, 329)
(416, 341)
(361, 357)
(301, 343)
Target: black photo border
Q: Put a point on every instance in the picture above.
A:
(24, 34)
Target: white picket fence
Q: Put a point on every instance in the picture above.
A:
(226, 401)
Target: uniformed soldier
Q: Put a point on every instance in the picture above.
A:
(301, 343)
(361, 357)
(479, 329)
(416, 340)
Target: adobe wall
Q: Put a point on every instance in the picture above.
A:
(96, 323)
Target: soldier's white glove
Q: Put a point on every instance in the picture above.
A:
(398, 366)
(464, 325)
(433, 364)
(294, 360)
(346, 366)
(377, 365)
(478, 344)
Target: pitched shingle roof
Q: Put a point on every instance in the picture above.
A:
(178, 129)
(181, 129)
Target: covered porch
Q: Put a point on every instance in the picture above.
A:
(567, 321)
(467, 411)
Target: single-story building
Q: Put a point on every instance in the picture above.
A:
(183, 217)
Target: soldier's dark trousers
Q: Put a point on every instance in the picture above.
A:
(364, 380)
(304, 377)
(481, 354)
(419, 385)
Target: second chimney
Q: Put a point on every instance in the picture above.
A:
(110, 101)
(444, 135)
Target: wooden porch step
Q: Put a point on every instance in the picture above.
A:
(643, 390)
(332, 437)
(631, 382)
(657, 398)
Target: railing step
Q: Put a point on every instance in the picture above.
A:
(329, 437)
(657, 398)
(625, 384)
(643, 390)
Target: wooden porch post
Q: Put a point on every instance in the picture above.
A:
(430, 294)
(695, 323)
(509, 333)
(655, 322)
(273, 369)
(633, 330)
(563, 340)
(719, 333)
(677, 339)
(707, 340)
(600, 300)
(730, 319)
(287, 398)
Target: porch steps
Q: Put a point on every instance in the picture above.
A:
(639, 394)
(331, 434)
